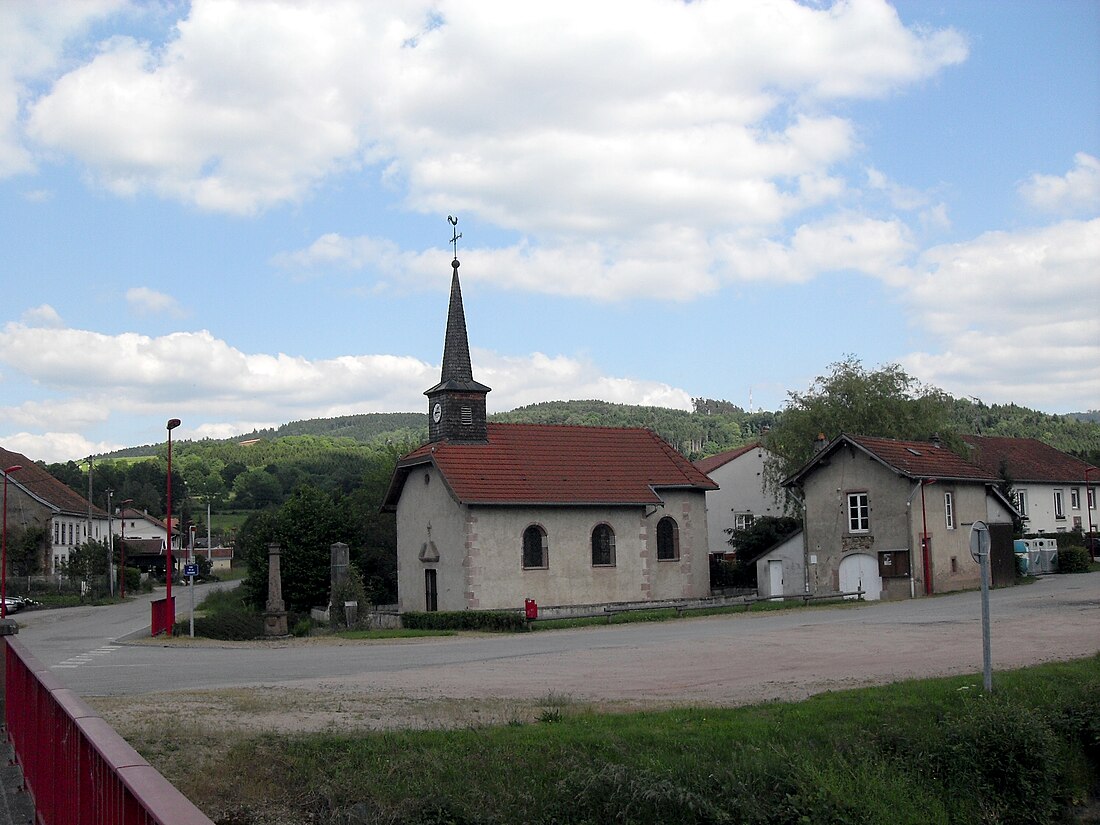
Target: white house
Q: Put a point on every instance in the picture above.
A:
(1055, 492)
(37, 499)
(742, 495)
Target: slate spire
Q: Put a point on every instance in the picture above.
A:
(456, 405)
(456, 344)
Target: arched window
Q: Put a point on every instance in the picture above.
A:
(534, 547)
(668, 539)
(603, 546)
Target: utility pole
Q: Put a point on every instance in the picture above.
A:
(88, 534)
(110, 547)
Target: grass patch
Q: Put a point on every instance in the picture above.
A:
(927, 751)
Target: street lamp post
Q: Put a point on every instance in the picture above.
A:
(171, 425)
(122, 549)
(4, 551)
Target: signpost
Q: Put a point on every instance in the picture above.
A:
(979, 550)
(190, 570)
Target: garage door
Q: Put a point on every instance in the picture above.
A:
(860, 572)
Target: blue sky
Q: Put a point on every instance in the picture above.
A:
(235, 213)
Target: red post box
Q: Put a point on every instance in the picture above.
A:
(530, 609)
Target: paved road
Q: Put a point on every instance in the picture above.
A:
(723, 659)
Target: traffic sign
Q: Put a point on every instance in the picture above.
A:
(979, 541)
(191, 570)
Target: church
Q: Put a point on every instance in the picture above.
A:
(491, 514)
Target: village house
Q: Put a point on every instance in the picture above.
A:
(742, 495)
(491, 515)
(892, 518)
(37, 499)
(1054, 492)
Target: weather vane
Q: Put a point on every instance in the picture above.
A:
(454, 240)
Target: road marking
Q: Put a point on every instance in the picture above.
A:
(84, 658)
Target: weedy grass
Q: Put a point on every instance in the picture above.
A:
(926, 751)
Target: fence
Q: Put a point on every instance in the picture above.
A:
(77, 768)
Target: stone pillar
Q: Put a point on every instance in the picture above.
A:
(339, 565)
(275, 615)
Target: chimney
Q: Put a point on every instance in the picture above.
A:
(819, 443)
(937, 442)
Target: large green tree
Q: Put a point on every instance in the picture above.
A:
(305, 527)
(884, 402)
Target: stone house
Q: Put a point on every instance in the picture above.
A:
(490, 515)
(870, 501)
(1055, 492)
(37, 499)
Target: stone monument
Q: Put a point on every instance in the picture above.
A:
(275, 614)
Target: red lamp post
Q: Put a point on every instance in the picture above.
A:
(122, 549)
(4, 551)
(926, 556)
(171, 425)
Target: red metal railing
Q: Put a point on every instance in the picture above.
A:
(77, 768)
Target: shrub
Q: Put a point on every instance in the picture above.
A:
(349, 590)
(1002, 753)
(229, 625)
(493, 620)
(1073, 559)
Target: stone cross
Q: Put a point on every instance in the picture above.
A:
(275, 615)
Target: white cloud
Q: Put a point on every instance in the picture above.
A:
(97, 378)
(55, 448)
(1075, 192)
(567, 117)
(32, 36)
(145, 301)
(1017, 314)
(42, 316)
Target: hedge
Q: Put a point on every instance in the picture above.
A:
(493, 620)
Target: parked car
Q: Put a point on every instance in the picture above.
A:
(13, 604)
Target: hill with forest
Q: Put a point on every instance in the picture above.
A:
(710, 427)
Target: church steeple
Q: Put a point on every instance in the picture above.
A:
(456, 405)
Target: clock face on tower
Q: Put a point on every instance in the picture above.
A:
(437, 412)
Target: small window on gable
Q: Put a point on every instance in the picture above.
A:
(466, 416)
(534, 547)
(1075, 498)
(668, 539)
(743, 521)
(859, 513)
(1059, 504)
(949, 510)
(603, 546)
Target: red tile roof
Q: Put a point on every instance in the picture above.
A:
(713, 462)
(1027, 459)
(37, 482)
(555, 465)
(914, 459)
